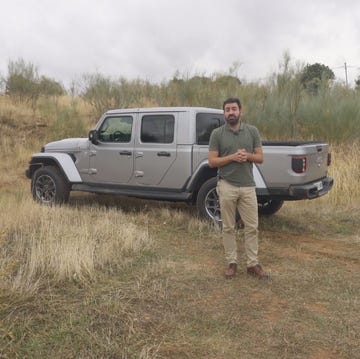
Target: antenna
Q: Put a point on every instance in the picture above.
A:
(346, 75)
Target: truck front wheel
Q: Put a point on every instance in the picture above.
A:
(48, 186)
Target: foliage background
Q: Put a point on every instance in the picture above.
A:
(296, 102)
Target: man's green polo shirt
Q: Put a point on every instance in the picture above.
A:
(225, 141)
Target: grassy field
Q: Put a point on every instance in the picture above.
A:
(112, 277)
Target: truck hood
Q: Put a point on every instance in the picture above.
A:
(68, 144)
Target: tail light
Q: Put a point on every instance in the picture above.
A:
(298, 164)
(329, 159)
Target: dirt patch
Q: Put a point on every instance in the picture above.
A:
(305, 248)
(324, 354)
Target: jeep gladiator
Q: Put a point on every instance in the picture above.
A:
(161, 153)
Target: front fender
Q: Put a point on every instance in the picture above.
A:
(62, 160)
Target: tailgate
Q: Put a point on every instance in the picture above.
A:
(286, 165)
(317, 161)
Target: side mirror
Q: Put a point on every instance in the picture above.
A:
(94, 137)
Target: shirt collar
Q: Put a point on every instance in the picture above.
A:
(228, 128)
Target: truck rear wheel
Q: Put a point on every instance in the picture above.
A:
(48, 186)
(208, 204)
(207, 201)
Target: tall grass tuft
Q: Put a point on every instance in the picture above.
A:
(345, 169)
(65, 243)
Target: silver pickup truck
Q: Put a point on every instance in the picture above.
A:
(161, 153)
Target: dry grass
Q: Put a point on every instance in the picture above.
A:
(346, 171)
(64, 243)
(113, 277)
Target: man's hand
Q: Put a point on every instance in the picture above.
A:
(241, 156)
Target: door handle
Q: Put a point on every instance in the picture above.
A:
(125, 153)
(164, 154)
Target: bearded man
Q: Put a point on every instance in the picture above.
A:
(233, 148)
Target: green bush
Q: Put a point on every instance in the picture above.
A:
(24, 84)
(281, 107)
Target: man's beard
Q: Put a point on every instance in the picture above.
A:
(232, 120)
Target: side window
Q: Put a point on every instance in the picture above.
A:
(157, 129)
(205, 124)
(116, 129)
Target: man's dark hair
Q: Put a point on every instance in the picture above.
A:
(232, 100)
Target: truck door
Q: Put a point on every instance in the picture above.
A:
(155, 148)
(112, 159)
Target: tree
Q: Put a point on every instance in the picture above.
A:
(313, 75)
(24, 83)
(21, 80)
(49, 87)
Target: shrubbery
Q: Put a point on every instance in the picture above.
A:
(23, 83)
(285, 106)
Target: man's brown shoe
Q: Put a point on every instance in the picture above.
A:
(231, 271)
(257, 271)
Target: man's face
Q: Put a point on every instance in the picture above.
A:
(232, 113)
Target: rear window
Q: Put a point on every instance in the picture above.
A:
(205, 124)
(157, 129)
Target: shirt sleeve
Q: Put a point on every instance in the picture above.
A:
(214, 141)
(257, 138)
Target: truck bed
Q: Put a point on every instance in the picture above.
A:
(290, 143)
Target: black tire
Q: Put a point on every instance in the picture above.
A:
(207, 201)
(48, 186)
(267, 207)
(208, 206)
